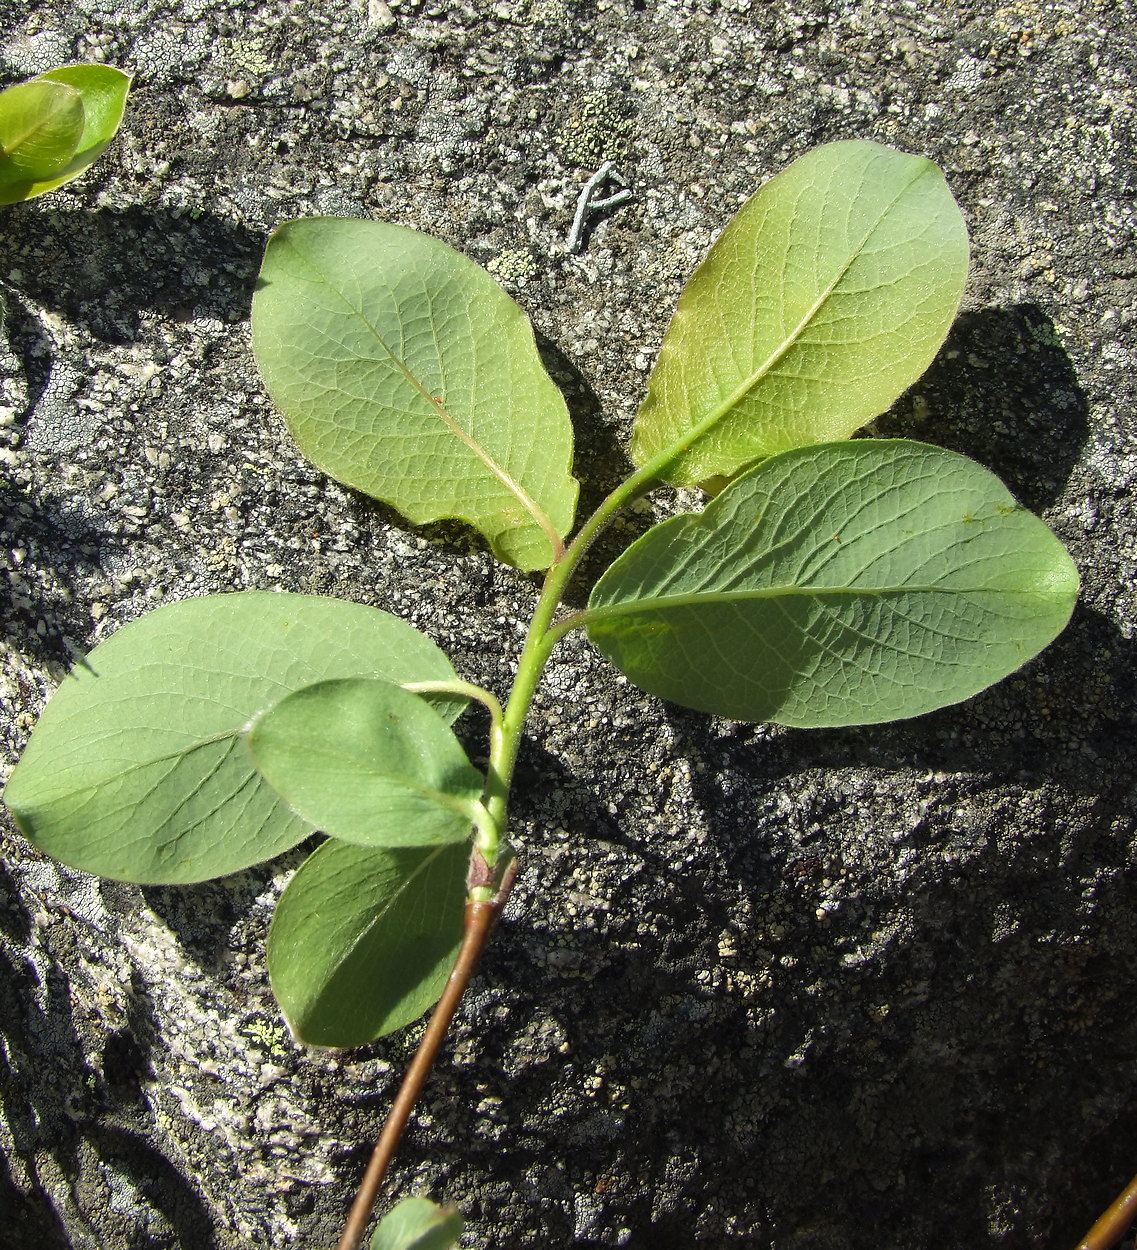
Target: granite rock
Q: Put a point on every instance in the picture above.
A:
(791, 990)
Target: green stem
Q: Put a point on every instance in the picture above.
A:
(488, 827)
(464, 689)
(497, 867)
(543, 636)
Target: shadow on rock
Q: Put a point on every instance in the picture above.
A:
(1004, 392)
(84, 1116)
(203, 915)
(852, 1080)
(39, 1036)
(57, 535)
(985, 1040)
(1068, 718)
(104, 270)
(28, 1219)
(166, 1190)
(31, 351)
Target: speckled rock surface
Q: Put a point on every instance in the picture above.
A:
(805, 991)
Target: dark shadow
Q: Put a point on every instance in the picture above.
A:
(563, 798)
(28, 1221)
(600, 461)
(1003, 391)
(601, 464)
(103, 1106)
(1004, 1062)
(126, 1065)
(1069, 717)
(952, 1062)
(36, 1113)
(202, 915)
(29, 343)
(130, 1155)
(15, 923)
(104, 269)
(57, 535)
(45, 1037)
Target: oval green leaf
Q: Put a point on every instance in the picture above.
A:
(102, 92)
(404, 370)
(363, 940)
(40, 126)
(826, 296)
(840, 584)
(418, 1224)
(363, 760)
(138, 768)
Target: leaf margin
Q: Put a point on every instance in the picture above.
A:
(671, 460)
(603, 616)
(554, 519)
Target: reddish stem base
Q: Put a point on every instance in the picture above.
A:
(480, 917)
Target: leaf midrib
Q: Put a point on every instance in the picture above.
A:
(451, 802)
(689, 437)
(35, 125)
(450, 421)
(661, 603)
(118, 774)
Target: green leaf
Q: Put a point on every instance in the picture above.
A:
(363, 760)
(40, 126)
(363, 940)
(418, 1224)
(826, 297)
(102, 93)
(138, 768)
(841, 584)
(404, 370)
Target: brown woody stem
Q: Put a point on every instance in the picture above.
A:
(1110, 1229)
(480, 917)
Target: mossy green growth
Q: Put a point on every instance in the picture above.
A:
(598, 129)
(513, 267)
